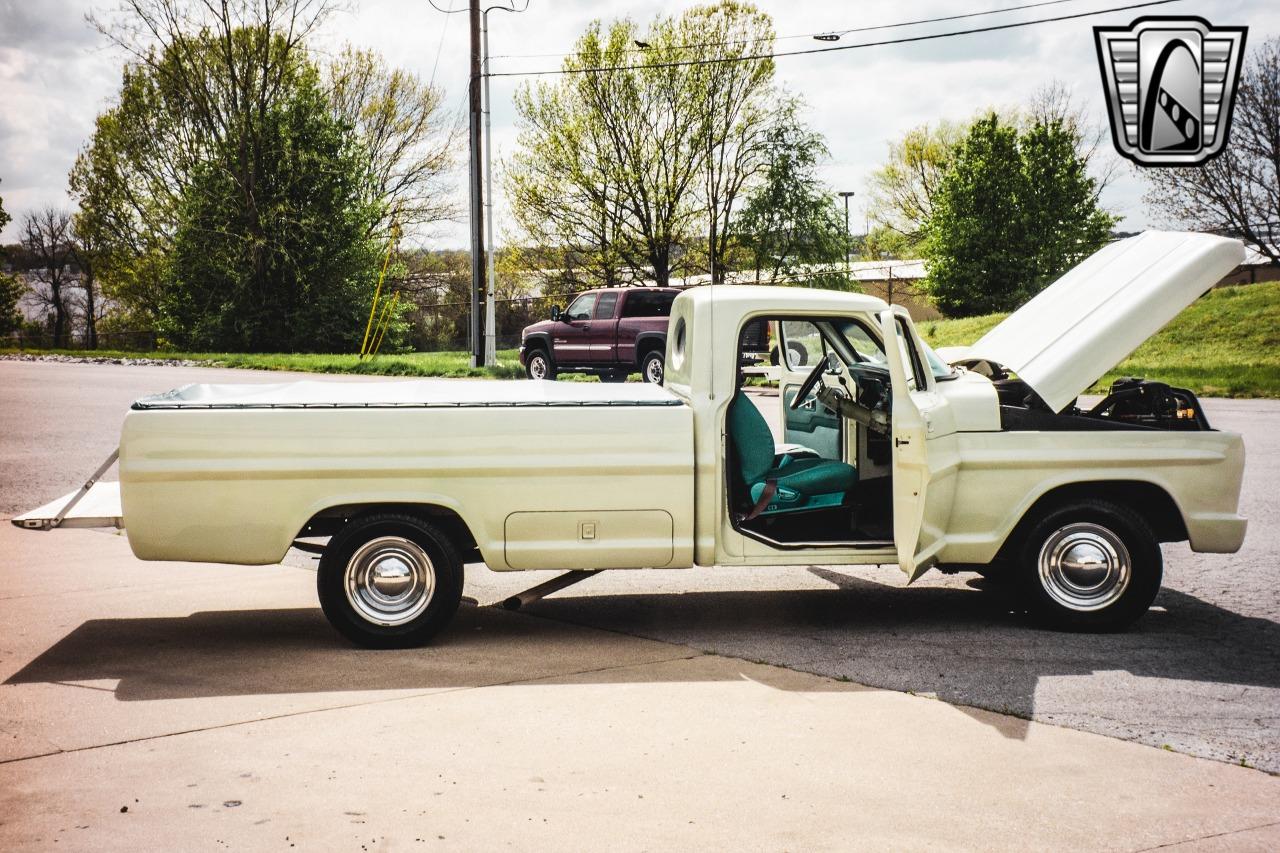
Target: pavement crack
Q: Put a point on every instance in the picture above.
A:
(347, 706)
(1182, 841)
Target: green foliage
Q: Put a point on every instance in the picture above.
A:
(10, 288)
(903, 189)
(620, 169)
(289, 267)
(235, 199)
(1012, 212)
(790, 220)
(1225, 344)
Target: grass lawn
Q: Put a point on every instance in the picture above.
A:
(1226, 344)
(453, 364)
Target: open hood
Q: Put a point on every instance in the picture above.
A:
(1100, 311)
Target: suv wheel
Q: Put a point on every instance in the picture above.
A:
(1089, 566)
(537, 365)
(651, 367)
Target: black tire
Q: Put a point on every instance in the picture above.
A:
(619, 375)
(653, 367)
(396, 537)
(1070, 573)
(798, 356)
(538, 364)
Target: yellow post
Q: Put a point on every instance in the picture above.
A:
(384, 322)
(377, 293)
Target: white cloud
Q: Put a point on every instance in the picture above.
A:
(57, 73)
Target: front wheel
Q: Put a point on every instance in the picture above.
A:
(651, 367)
(389, 581)
(537, 365)
(1089, 566)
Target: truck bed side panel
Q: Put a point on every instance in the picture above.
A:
(236, 486)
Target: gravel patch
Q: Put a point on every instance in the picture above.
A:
(98, 359)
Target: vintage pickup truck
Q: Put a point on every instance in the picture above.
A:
(984, 461)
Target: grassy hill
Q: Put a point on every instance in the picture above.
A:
(1226, 344)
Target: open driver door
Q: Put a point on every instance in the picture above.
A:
(924, 453)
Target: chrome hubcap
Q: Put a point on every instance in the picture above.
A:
(538, 367)
(390, 580)
(1084, 566)
(653, 371)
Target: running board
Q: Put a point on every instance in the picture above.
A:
(94, 504)
(545, 588)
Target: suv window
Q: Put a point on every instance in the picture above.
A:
(581, 307)
(605, 305)
(648, 303)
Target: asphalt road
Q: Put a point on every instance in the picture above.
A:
(1199, 674)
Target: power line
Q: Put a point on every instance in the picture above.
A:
(832, 49)
(900, 24)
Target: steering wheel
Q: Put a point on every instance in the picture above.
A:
(810, 382)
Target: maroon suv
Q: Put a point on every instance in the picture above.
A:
(611, 332)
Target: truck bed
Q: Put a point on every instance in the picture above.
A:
(320, 394)
(543, 474)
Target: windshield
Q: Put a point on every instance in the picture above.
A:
(868, 349)
(939, 368)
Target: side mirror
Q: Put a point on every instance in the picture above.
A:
(555, 313)
(835, 365)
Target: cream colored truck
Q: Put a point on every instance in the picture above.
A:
(892, 455)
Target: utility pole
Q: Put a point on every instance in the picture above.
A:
(490, 309)
(477, 195)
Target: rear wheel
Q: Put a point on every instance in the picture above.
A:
(389, 581)
(651, 367)
(537, 365)
(1089, 566)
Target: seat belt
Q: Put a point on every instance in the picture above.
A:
(770, 489)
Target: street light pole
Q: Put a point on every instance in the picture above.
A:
(848, 248)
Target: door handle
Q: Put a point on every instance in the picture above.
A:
(898, 442)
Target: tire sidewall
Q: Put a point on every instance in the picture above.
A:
(662, 367)
(1145, 559)
(331, 581)
(546, 359)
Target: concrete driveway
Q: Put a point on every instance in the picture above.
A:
(186, 706)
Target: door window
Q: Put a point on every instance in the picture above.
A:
(605, 305)
(911, 360)
(802, 344)
(581, 307)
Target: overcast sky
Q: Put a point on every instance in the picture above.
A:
(57, 73)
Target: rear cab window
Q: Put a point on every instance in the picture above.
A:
(648, 303)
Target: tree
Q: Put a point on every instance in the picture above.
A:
(902, 191)
(11, 288)
(621, 165)
(409, 142)
(740, 104)
(46, 236)
(790, 221)
(1238, 192)
(1012, 212)
(291, 268)
(204, 162)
